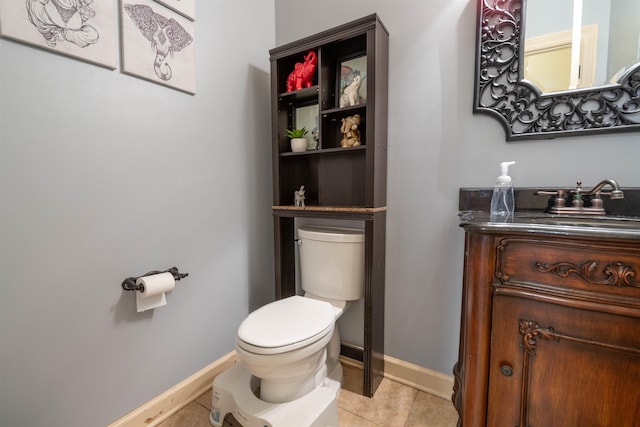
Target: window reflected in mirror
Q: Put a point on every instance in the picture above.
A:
(575, 44)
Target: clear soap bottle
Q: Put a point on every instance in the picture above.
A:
(502, 200)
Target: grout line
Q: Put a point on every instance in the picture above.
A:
(208, 409)
(367, 420)
(413, 403)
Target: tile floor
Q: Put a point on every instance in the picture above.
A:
(393, 405)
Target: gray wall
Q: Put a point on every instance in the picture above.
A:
(105, 176)
(624, 43)
(437, 145)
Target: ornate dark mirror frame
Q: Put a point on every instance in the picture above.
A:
(524, 111)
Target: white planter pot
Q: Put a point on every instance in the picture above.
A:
(298, 144)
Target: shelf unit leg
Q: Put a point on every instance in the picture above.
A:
(373, 357)
(285, 268)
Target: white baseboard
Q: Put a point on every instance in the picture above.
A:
(177, 397)
(423, 379)
(427, 380)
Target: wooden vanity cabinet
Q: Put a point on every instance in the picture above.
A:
(550, 331)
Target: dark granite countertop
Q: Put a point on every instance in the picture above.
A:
(622, 219)
(479, 199)
(541, 223)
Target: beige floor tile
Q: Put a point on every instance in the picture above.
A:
(351, 378)
(393, 405)
(192, 415)
(349, 419)
(230, 421)
(431, 411)
(205, 399)
(390, 405)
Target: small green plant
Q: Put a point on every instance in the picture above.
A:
(297, 133)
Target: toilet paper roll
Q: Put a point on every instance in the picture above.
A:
(153, 294)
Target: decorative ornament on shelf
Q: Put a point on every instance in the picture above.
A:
(298, 139)
(350, 132)
(351, 94)
(315, 137)
(303, 73)
(298, 196)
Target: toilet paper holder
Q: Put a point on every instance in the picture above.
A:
(129, 284)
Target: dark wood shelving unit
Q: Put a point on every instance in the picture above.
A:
(341, 183)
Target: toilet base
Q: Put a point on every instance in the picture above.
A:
(233, 393)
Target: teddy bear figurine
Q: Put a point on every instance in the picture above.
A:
(350, 132)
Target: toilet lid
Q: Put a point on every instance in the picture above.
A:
(286, 322)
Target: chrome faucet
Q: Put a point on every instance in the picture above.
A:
(577, 203)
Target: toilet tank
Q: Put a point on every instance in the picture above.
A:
(332, 262)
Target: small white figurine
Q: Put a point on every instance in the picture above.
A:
(351, 93)
(299, 196)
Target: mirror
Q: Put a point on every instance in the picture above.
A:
(527, 111)
(582, 44)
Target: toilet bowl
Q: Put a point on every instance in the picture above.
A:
(291, 346)
(285, 345)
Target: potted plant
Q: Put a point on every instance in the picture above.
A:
(298, 140)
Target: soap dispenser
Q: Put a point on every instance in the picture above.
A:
(502, 200)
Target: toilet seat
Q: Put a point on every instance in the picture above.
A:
(286, 325)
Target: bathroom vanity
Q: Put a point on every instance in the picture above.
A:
(550, 329)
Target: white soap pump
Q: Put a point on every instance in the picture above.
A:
(502, 200)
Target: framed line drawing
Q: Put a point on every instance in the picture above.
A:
(158, 45)
(187, 8)
(81, 29)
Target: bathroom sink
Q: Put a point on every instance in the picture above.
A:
(617, 222)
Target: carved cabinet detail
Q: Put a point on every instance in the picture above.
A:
(550, 332)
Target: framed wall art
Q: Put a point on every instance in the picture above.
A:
(76, 28)
(352, 87)
(186, 8)
(158, 45)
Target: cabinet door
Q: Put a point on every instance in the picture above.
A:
(553, 365)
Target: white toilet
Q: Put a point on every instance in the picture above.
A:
(290, 347)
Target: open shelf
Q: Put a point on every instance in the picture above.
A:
(344, 212)
(300, 95)
(345, 111)
(340, 183)
(322, 151)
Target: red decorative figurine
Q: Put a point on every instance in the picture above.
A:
(302, 74)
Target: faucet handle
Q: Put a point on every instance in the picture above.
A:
(549, 192)
(558, 201)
